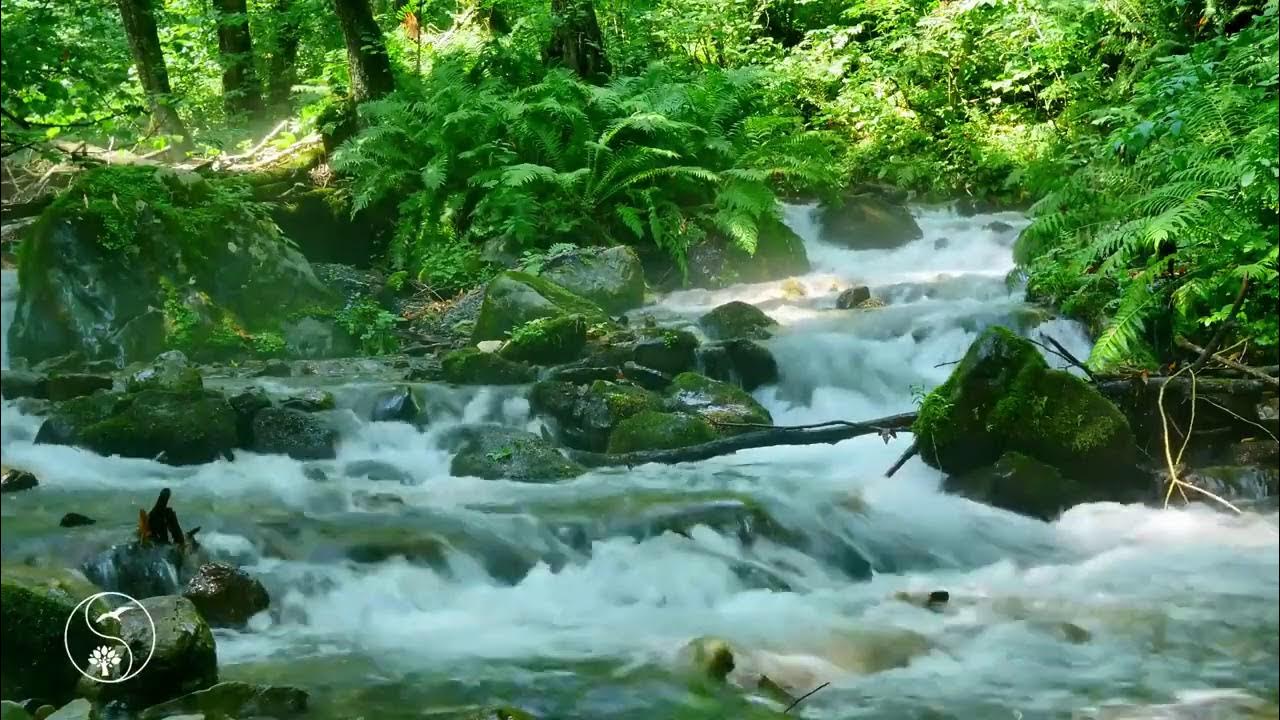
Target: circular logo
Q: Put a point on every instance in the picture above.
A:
(111, 660)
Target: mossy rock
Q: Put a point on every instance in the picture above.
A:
(293, 432)
(718, 262)
(666, 350)
(1003, 396)
(179, 428)
(611, 277)
(868, 221)
(34, 606)
(501, 453)
(742, 362)
(66, 386)
(185, 659)
(170, 371)
(653, 430)
(548, 340)
(233, 700)
(1020, 484)
(737, 319)
(514, 298)
(470, 366)
(598, 409)
(717, 402)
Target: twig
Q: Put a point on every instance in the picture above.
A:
(767, 426)
(1071, 360)
(1174, 481)
(254, 150)
(803, 697)
(902, 459)
(953, 362)
(1237, 416)
(1222, 329)
(1204, 352)
(1066, 355)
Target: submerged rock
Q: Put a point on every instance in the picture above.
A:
(652, 430)
(1230, 482)
(234, 700)
(34, 606)
(398, 405)
(868, 221)
(140, 570)
(514, 298)
(474, 367)
(1020, 484)
(225, 595)
(547, 341)
(853, 297)
(74, 519)
(298, 434)
(611, 277)
(495, 452)
(737, 319)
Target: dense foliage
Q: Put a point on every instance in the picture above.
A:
(1143, 131)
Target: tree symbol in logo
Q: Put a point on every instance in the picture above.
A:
(104, 658)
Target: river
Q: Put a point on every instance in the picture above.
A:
(503, 603)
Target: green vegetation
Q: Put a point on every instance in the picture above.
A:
(372, 325)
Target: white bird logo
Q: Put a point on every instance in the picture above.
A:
(114, 614)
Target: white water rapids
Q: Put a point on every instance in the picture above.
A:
(1179, 606)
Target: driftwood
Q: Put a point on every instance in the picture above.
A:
(1225, 362)
(1223, 386)
(825, 433)
(160, 526)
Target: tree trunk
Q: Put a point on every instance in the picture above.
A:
(282, 62)
(144, 43)
(241, 92)
(576, 42)
(370, 68)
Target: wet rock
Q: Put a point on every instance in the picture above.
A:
(717, 402)
(587, 416)
(141, 571)
(32, 406)
(871, 304)
(651, 430)
(1230, 482)
(185, 656)
(1020, 484)
(276, 368)
(13, 480)
(377, 471)
(398, 405)
(514, 298)
(505, 712)
(742, 362)
(170, 371)
(998, 226)
(578, 374)
(234, 700)
(67, 362)
(1262, 453)
(310, 400)
(853, 297)
(78, 709)
(970, 206)
(1003, 397)
(377, 501)
(23, 384)
(737, 319)
(494, 452)
(300, 435)
(717, 262)
(473, 367)
(225, 595)
(74, 519)
(708, 657)
(941, 243)
(34, 606)
(610, 277)
(246, 406)
(65, 386)
(491, 346)
(176, 428)
(667, 351)
(547, 341)
(10, 710)
(645, 377)
(868, 222)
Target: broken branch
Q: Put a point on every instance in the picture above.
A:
(1204, 352)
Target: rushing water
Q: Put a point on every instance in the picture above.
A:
(495, 606)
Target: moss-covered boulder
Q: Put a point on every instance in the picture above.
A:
(178, 428)
(548, 340)
(514, 298)
(502, 453)
(1020, 484)
(65, 386)
(717, 402)
(133, 260)
(233, 700)
(34, 606)
(868, 221)
(299, 434)
(742, 362)
(470, 366)
(718, 262)
(666, 350)
(16, 384)
(653, 430)
(1003, 396)
(170, 371)
(737, 319)
(587, 415)
(610, 277)
(185, 658)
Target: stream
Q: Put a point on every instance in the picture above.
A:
(425, 594)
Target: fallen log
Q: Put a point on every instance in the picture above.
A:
(826, 433)
(1223, 386)
(1226, 362)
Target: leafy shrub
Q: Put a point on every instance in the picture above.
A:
(371, 325)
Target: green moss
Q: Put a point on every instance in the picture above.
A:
(548, 340)
(717, 402)
(470, 366)
(34, 606)
(623, 401)
(268, 344)
(737, 319)
(651, 430)
(514, 298)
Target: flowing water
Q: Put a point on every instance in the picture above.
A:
(415, 597)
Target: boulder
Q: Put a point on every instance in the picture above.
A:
(715, 401)
(170, 371)
(667, 351)
(587, 416)
(13, 480)
(398, 405)
(134, 260)
(868, 221)
(514, 298)
(718, 262)
(298, 434)
(34, 606)
(610, 277)
(225, 595)
(176, 428)
(316, 336)
(853, 297)
(185, 658)
(1003, 396)
(737, 319)
(548, 340)
(140, 570)
(78, 709)
(652, 430)
(246, 406)
(1231, 482)
(16, 384)
(494, 453)
(233, 700)
(310, 400)
(742, 362)
(1020, 484)
(645, 377)
(65, 386)
(470, 366)
(276, 368)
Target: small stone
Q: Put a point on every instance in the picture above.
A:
(872, 304)
(12, 480)
(73, 519)
(853, 297)
(998, 226)
(490, 346)
(397, 405)
(275, 368)
(311, 400)
(941, 243)
(226, 596)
